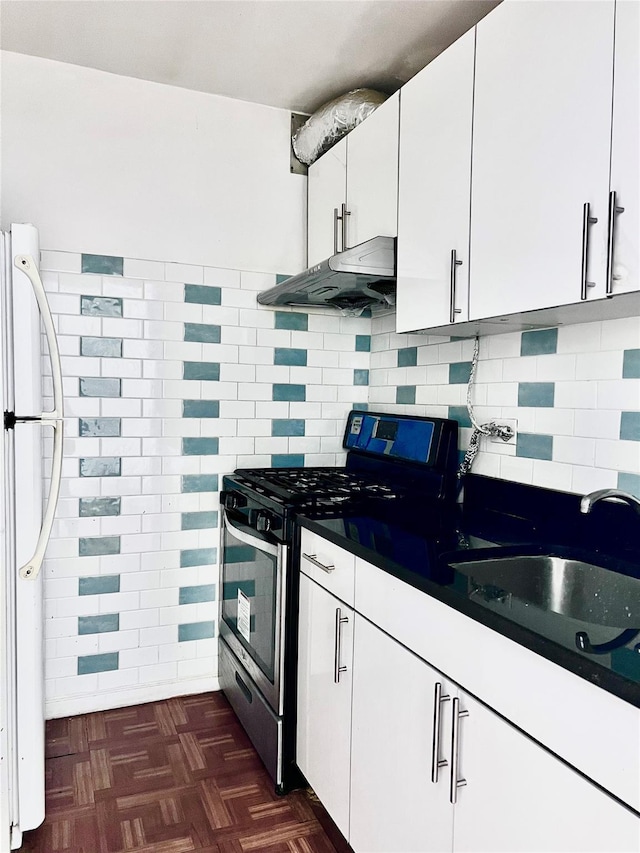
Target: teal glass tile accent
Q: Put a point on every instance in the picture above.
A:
(98, 585)
(200, 446)
(360, 407)
(230, 588)
(202, 332)
(100, 466)
(101, 347)
(97, 663)
(630, 426)
(408, 357)
(296, 322)
(459, 372)
(629, 483)
(627, 662)
(102, 264)
(96, 546)
(240, 554)
(289, 393)
(290, 357)
(406, 394)
(532, 446)
(92, 386)
(196, 631)
(101, 306)
(631, 364)
(360, 376)
(460, 414)
(102, 624)
(287, 426)
(200, 408)
(539, 342)
(102, 427)
(196, 594)
(199, 483)
(287, 460)
(209, 371)
(540, 394)
(90, 507)
(197, 557)
(280, 277)
(199, 520)
(202, 294)
(363, 343)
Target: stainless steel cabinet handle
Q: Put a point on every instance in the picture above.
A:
(337, 668)
(345, 213)
(436, 762)
(316, 562)
(452, 288)
(587, 220)
(454, 782)
(614, 210)
(336, 218)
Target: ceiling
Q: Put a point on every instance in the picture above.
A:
(294, 54)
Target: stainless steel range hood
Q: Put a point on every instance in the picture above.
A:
(352, 280)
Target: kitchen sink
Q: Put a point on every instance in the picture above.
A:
(569, 587)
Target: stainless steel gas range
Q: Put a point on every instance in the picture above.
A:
(394, 462)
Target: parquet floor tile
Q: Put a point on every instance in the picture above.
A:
(167, 777)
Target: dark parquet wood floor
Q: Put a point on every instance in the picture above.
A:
(166, 777)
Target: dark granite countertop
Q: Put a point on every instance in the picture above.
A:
(496, 521)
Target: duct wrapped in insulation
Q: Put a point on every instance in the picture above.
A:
(332, 121)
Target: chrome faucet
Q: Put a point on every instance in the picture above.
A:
(615, 495)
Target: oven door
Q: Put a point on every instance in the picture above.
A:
(253, 586)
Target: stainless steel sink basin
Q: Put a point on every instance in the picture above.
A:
(572, 588)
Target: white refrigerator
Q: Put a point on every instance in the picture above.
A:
(26, 517)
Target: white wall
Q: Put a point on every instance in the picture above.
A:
(117, 166)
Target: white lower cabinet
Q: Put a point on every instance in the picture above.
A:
(510, 793)
(406, 761)
(325, 651)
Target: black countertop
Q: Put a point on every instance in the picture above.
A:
(498, 520)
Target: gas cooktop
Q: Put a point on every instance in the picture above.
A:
(315, 485)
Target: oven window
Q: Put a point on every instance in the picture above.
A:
(249, 589)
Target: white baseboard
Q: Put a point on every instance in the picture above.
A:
(72, 705)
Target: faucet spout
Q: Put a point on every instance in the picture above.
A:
(614, 495)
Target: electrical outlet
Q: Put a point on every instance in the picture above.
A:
(506, 422)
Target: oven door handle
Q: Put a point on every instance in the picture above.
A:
(248, 539)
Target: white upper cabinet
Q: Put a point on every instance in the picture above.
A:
(541, 148)
(358, 175)
(434, 191)
(624, 275)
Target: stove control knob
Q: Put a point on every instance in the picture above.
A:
(263, 521)
(232, 500)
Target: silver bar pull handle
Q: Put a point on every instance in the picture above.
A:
(337, 668)
(587, 220)
(336, 219)
(343, 218)
(54, 419)
(454, 782)
(436, 761)
(452, 287)
(614, 210)
(316, 562)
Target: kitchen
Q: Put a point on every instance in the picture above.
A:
(91, 158)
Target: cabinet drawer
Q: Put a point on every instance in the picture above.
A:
(328, 565)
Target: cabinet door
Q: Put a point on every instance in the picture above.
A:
(372, 175)
(395, 806)
(435, 190)
(541, 144)
(324, 698)
(326, 190)
(519, 797)
(625, 175)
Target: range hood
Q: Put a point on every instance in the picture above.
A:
(352, 280)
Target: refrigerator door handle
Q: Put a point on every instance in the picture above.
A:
(54, 419)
